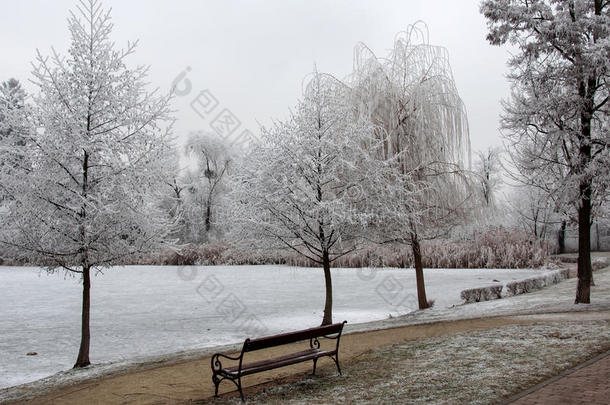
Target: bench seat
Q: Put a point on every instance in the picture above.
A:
(276, 362)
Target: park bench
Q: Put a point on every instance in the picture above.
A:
(235, 372)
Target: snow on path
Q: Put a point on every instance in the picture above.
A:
(143, 311)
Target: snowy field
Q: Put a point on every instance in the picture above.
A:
(141, 311)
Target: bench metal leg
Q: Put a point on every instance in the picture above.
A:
(336, 360)
(237, 383)
(241, 393)
(216, 382)
(315, 361)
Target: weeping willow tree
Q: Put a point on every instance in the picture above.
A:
(411, 98)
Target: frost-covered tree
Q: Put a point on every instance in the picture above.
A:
(172, 201)
(82, 193)
(532, 211)
(12, 97)
(206, 181)
(12, 101)
(411, 98)
(556, 122)
(306, 186)
(487, 169)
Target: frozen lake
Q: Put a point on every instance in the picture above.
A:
(143, 310)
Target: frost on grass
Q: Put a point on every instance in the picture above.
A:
(477, 367)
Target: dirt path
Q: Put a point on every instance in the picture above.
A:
(190, 381)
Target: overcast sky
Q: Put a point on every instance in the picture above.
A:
(252, 56)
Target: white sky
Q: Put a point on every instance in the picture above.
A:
(253, 55)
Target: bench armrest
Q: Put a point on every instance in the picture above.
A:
(216, 363)
(314, 343)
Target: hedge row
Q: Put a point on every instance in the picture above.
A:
(491, 292)
(494, 292)
(536, 283)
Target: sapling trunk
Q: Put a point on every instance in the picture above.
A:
(419, 272)
(328, 304)
(83, 351)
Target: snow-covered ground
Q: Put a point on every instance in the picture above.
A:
(141, 311)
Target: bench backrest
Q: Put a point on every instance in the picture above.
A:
(291, 337)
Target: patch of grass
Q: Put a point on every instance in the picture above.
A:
(477, 368)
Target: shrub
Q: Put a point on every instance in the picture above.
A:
(491, 292)
(599, 263)
(536, 283)
(495, 248)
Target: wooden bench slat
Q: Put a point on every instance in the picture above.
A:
(291, 337)
(277, 362)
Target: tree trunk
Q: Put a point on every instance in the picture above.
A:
(328, 305)
(561, 237)
(208, 218)
(83, 352)
(599, 246)
(419, 272)
(587, 92)
(583, 288)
